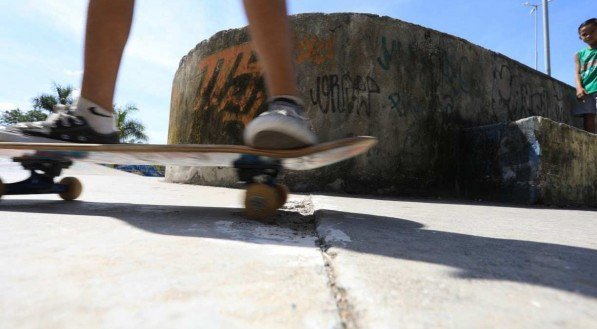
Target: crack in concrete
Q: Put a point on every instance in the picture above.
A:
(307, 224)
(345, 309)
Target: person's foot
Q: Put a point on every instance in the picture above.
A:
(86, 123)
(282, 126)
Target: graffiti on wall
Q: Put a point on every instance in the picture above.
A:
(316, 50)
(345, 93)
(335, 93)
(388, 53)
(231, 88)
(456, 72)
(395, 100)
(231, 85)
(523, 98)
(457, 80)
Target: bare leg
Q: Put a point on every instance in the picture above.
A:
(282, 126)
(272, 39)
(589, 123)
(108, 26)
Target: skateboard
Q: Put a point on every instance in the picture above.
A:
(257, 168)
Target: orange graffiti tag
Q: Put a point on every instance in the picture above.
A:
(315, 50)
(230, 83)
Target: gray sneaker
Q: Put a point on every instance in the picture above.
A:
(281, 127)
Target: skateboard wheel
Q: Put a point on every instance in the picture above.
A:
(282, 191)
(261, 201)
(74, 188)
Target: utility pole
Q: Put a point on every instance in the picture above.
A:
(546, 47)
(534, 11)
(546, 36)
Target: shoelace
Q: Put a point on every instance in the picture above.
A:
(286, 111)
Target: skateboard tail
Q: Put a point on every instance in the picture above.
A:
(329, 157)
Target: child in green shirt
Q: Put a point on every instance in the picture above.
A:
(586, 75)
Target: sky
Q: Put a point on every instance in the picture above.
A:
(41, 41)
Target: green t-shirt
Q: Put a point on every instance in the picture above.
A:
(588, 69)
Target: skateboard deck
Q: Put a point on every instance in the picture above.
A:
(258, 168)
(190, 154)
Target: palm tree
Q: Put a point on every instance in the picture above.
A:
(131, 130)
(41, 103)
(63, 95)
(15, 116)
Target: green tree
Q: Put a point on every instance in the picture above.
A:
(131, 130)
(12, 117)
(62, 95)
(41, 103)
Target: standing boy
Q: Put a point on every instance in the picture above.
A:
(586, 75)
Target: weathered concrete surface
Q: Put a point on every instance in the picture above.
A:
(412, 87)
(213, 176)
(533, 160)
(139, 253)
(421, 264)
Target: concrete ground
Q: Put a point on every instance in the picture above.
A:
(135, 252)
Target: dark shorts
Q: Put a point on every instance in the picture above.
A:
(588, 107)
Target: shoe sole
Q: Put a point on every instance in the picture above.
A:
(278, 133)
(11, 136)
(275, 140)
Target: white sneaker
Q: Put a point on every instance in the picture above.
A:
(66, 126)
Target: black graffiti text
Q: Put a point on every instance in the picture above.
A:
(344, 94)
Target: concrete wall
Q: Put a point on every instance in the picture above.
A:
(533, 160)
(411, 87)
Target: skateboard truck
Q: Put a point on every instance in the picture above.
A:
(41, 180)
(264, 195)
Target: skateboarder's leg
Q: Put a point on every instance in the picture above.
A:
(108, 26)
(283, 125)
(92, 121)
(272, 40)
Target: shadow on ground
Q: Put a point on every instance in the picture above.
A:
(458, 201)
(566, 268)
